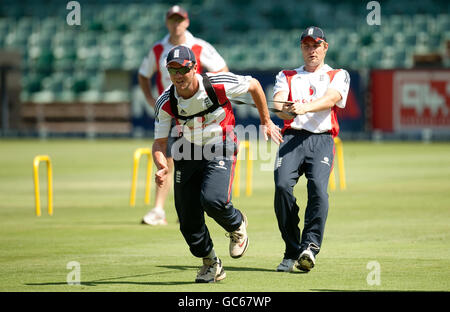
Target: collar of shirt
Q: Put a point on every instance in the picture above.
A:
(194, 104)
(324, 68)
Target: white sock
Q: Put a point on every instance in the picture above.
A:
(211, 255)
(158, 210)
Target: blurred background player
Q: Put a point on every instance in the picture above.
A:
(317, 90)
(208, 59)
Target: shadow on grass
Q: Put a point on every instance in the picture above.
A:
(117, 280)
(227, 268)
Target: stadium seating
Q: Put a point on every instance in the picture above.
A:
(116, 34)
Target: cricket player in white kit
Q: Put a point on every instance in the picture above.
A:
(201, 106)
(317, 91)
(208, 59)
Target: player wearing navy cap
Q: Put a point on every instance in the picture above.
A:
(317, 91)
(201, 107)
(177, 22)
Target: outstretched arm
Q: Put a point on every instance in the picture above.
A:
(259, 98)
(159, 158)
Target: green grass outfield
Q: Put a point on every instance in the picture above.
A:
(396, 211)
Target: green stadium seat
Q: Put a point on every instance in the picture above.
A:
(64, 52)
(76, 84)
(133, 56)
(113, 62)
(39, 43)
(145, 25)
(91, 96)
(6, 24)
(44, 96)
(366, 39)
(32, 83)
(410, 39)
(17, 40)
(51, 87)
(87, 39)
(386, 64)
(139, 40)
(116, 96)
(395, 22)
(346, 57)
(92, 62)
(64, 65)
(42, 60)
(94, 93)
(443, 23)
(56, 86)
(26, 24)
(435, 40)
(332, 54)
(64, 40)
(112, 40)
(133, 27)
(111, 56)
(420, 22)
(95, 25)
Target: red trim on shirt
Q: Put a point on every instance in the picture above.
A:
(158, 50)
(167, 108)
(332, 73)
(197, 49)
(289, 74)
(229, 115)
(334, 121)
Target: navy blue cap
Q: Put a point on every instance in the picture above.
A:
(182, 55)
(314, 32)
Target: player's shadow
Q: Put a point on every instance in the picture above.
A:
(116, 280)
(227, 268)
(120, 279)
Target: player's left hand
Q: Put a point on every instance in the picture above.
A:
(296, 108)
(272, 130)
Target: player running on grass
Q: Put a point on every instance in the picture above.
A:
(308, 148)
(205, 153)
(177, 22)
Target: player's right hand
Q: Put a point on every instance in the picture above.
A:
(272, 130)
(161, 175)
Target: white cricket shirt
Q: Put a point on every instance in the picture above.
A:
(308, 86)
(211, 128)
(155, 62)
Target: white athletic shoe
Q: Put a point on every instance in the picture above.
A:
(306, 260)
(212, 271)
(239, 240)
(155, 217)
(287, 265)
